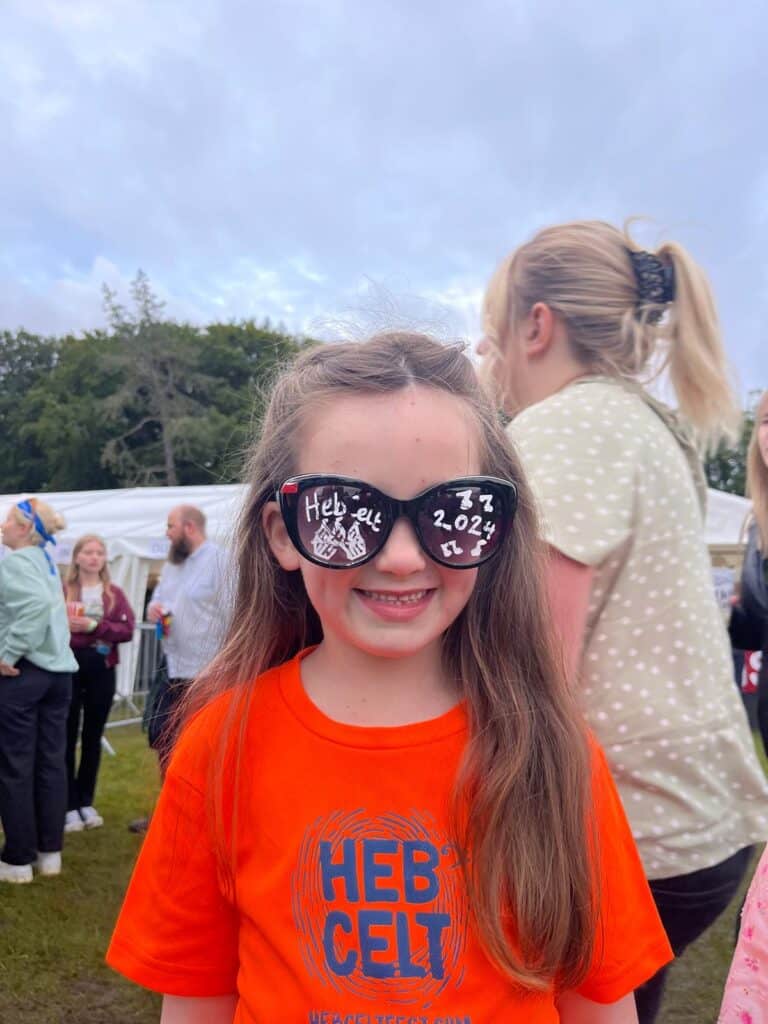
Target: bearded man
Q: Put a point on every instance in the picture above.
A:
(190, 601)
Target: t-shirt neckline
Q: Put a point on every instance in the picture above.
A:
(374, 736)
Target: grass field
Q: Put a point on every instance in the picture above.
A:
(53, 933)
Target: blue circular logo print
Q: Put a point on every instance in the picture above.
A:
(379, 906)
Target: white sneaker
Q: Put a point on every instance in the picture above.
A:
(49, 863)
(16, 873)
(91, 817)
(73, 822)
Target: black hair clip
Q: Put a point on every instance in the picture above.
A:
(655, 282)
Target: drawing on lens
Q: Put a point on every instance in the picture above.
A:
(329, 539)
(451, 548)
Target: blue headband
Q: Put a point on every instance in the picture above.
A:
(25, 507)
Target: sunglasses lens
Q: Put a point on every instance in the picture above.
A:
(462, 526)
(339, 524)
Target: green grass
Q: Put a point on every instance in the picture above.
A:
(53, 933)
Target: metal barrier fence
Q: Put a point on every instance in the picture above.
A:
(128, 709)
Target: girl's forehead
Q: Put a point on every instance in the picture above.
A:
(403, 439)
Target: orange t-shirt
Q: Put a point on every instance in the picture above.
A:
(348, 905)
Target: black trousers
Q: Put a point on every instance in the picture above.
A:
(162, 720)
(688, 905)
(93, 690)
(33, 778)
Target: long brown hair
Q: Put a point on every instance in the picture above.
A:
(584, 273)
(757, 477)
(72, 586)
(522, 799)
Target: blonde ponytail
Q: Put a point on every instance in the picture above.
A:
(698, 367)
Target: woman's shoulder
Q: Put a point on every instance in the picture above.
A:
(18, 562)
(587, 406)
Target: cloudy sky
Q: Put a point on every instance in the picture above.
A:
(311, 159)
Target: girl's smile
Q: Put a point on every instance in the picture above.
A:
(396, 605)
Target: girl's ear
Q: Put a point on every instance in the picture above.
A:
(539, 330)
(280, 543)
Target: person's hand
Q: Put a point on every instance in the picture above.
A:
(154, 612)
(81, 624)
(8, 670)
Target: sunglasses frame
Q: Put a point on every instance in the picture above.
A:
(290, 490)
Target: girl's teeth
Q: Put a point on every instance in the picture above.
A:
(395, 598)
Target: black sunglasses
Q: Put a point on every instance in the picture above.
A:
(340, 523)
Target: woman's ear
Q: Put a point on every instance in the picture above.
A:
(280, 543)
(539, 330)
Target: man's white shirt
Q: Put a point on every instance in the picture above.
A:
(196, 595)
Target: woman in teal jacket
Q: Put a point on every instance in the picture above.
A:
(36, 665)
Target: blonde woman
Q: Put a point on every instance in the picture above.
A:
(100, 618)
(576, 319)
(35, 686)
(749, 620)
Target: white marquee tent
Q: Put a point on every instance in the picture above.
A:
(132, 522)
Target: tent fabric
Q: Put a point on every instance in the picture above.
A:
(726, 517)
(132, 522)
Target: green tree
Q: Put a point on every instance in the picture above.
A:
(147, 401)
(66, 415)
(726, 468)
(26, 360)
(161, 388)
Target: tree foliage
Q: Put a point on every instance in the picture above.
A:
(147, 401)
(726, 468)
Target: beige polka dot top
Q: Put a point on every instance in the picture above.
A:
(615, 492)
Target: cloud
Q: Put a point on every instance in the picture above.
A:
(268, 161)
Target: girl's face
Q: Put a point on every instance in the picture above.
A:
(762, 429)
(14, 534)
(91, 557)
(401, 602)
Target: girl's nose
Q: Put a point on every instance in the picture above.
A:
(483, 346)
(402, 554)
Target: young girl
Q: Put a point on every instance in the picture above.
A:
(388, 808)
(576, 319)
(100, 618)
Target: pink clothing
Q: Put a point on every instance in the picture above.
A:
(746, 991)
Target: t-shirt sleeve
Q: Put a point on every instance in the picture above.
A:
(579, 464)
(631, 944)
(177, 932)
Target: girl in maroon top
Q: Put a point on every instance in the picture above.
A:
(100, 618)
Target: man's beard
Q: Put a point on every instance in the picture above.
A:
(179, 551)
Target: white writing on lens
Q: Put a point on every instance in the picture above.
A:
(335, 508)
(476, 525)
(450, 547)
